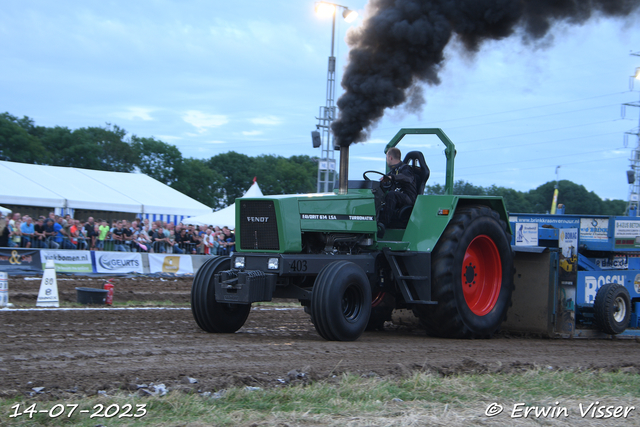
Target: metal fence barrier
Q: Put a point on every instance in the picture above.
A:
(83, 243)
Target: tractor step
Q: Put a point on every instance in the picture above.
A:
(411, 271)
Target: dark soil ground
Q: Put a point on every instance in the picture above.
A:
(84, 350)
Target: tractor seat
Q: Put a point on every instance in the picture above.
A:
(421, 172)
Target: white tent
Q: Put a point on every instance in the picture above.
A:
(225, 216)
(73, 188)
(4, 211)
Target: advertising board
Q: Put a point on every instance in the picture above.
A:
(20, 259)
(118, 262)
(590, 281)
(526, 234)
(629, 229)
(594, 229)
(172, 264)
(68, 261)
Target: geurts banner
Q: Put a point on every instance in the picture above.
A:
(118, 262)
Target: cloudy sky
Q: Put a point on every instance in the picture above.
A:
(250, 76)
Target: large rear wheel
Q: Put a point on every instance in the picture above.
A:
(472, 270)
(341, 302)
(210, 315)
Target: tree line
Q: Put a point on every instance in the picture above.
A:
(576, 198)
(219, 180)
(216, 181)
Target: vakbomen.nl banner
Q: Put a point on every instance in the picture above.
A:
(68, 261)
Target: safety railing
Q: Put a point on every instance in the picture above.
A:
(110, 244)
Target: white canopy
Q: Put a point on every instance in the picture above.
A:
(4, 211)
(225, 216)
(73, 188)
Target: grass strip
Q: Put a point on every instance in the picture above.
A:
(421, 399)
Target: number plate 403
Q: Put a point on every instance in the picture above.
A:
(298, 265)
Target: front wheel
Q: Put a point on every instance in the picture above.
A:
(210, 315)
(612, 309)
(472, 270)
(341, 302)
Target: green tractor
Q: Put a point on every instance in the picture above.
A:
(448, 258)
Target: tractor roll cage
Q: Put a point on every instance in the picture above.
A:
(449, 151)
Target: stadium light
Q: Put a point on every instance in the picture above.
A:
(349, 15)
(325, 10)
(322, 137)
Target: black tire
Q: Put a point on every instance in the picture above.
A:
(472, 299)
(341, 302)
(612, 309)
(210, 315)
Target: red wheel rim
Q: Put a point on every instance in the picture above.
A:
(481, 275)
(377, 299)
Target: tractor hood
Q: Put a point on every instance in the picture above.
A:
(276, 223)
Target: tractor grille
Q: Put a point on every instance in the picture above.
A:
(258, 225)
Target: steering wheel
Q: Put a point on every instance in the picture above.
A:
(386, 184)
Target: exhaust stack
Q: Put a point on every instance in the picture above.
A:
(344, 169)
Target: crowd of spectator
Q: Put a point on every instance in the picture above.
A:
(64, 232)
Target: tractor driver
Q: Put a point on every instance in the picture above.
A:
(403, 192)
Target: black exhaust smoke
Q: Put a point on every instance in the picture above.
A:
(400, 45)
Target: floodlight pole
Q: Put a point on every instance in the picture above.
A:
(633, 175)
(327, 163)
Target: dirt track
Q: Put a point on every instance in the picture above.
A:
(84, 351)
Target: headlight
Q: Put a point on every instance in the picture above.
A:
(273, 263)
(239, 263)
